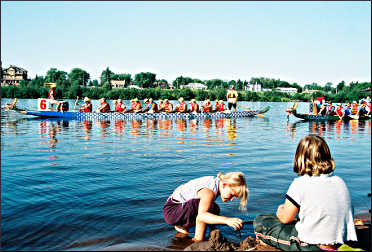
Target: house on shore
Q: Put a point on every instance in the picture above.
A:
(117, 83)
(286, 90)
(195, 86)
(12, 75)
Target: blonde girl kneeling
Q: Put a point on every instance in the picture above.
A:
(193, 203)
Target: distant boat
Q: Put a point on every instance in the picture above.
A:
(328, 117)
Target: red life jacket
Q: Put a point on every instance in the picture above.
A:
(339, 111)
(168, 107)
(119, 108)
(354, 108)
(221, 107)
(207, 108)
(137, 107)
(194, 107)
(182, 107)
(88, 108)
(107, 107)
(51, 94)
(320, 99)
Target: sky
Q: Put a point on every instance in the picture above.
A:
(298, 42)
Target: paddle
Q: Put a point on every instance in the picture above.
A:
(77, 98)
(249, 110)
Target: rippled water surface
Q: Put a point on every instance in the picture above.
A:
(78, 185)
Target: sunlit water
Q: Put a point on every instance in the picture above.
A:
(78, 185)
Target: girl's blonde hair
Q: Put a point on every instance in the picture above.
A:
(236, 181)
(313, 157)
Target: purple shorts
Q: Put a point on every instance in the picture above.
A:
(176, 214)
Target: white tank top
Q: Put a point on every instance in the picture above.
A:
(189, 190)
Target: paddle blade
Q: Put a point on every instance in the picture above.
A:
(260, 115)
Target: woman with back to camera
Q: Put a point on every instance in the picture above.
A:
(321, 200)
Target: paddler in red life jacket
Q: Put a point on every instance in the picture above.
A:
(319, 102)
(120, 106)
(182, 107)
(146, 104)
(161, 106)
(153, 107)
(354, 108)
(168, 107)
(194, 107)
(104, 106)
(137, 106)
(331, 109)
(52, 97)
(87, 107)
(340, 111)
(221, 106)
(207, 106)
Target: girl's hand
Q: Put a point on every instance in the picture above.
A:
(235, 223)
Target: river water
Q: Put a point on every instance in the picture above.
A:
(88, 185)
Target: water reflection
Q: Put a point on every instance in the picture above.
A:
(103, 125)
(50, 129)
(183, 128)
(338, 129)
(87, 128)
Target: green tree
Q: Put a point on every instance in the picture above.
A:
(106, 76)
(340, 86)
(79, 75)
(95, 83)
(179, 81)
(54, 75)
(144, 80)
(328, 87)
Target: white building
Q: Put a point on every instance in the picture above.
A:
(195, 86)
(267, 90)
(117, 83)
(134, 86)
(253, 87)
(286, 90)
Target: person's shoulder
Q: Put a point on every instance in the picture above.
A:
(336, 178)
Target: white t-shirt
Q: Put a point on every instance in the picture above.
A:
(324, 209)
(189, 190)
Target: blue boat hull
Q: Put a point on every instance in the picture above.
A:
(138, 116)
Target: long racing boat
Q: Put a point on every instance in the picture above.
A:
(309, 117)
(138, 116)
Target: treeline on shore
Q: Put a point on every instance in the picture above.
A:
(77, 83)
(348, 94)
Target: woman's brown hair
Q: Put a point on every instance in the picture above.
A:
(313, 157)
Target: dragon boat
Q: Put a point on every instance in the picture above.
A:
(312, 117)
(140, 116)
